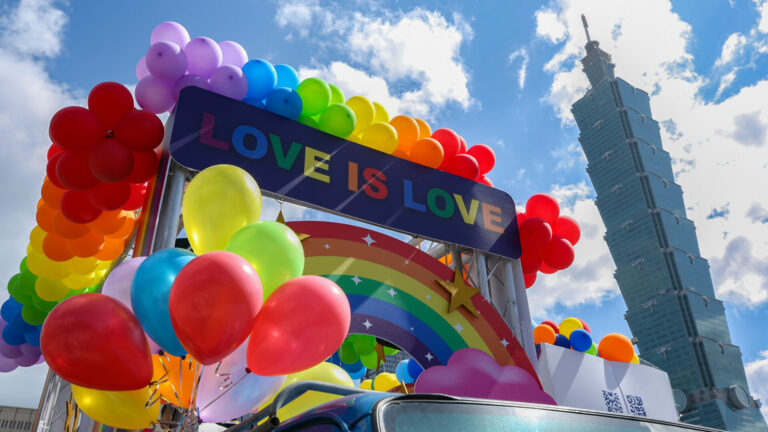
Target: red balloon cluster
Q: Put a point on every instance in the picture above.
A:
(546, 237)
(104, 155)
(472, 163)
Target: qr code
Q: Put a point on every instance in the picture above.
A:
(612, 402)
(636, 407)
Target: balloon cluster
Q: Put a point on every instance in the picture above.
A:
(360, 352)
(408, 370)
(547, 237)
(235, 316)
(574, 333)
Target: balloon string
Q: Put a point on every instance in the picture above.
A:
(231, 386)
(170, 381)
(226, 376)
(196, 385)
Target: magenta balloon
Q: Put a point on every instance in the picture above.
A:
(230, 81)
(154, 94)
(166, 61)
(170, 31)
(250, 391)
(203, 56)
(141, 69)
(7, 365)
(187, 81)
(232, 53)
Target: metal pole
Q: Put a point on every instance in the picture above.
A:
(168, 219)
(482, 275)
(509, 288)
(524, 312)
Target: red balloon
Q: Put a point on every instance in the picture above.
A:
(109, 102)
(110, 196)
(94, 341)
(463, 166)
(140, 130)
(546, 269)
(485, 156)
(77, 207)
(530, 279)
(73, 171)
(138, 194)
(213, 303)
(520, 218)
(75, 128)
(144, 167)
(583, 324)
(530, 261)
(544, 206)
(462, 145)
(450, 142)
(485, 180)
(50, 169)
(301, 324)
(535, 234)
(110, 161)
(53, 149)
(552, 324)
(559, 253)
(567, 227)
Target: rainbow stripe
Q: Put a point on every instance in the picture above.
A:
(393, 293)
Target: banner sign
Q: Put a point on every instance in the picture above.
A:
(301, 164)
(580, 380)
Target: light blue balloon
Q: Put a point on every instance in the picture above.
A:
(401, 372)
(286, 76)
(358, 374)
(261, 78)
(285, 102)
(150, 291)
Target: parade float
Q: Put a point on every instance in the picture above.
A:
(432, 259)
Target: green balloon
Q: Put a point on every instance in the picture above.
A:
(364, 344)
(23, 265)
(347, 353)
(315, 96)
(592, 350)
(370, 361)
(33, 316)
(26, 283)
(17, 292)
(273, 250)
(13, 280)
(309, 121)
(338, 119)
(390, 351)
(336, 95)
(42, 305)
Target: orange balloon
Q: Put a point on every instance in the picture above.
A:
(544, 334)
(407, 132)
(55, 248)
(178, 376)
(68, 229)
(113, 248)
(87, 245)
(428, 152)
(616, 347)
(44, 216)
(108, 222)
(126, 230)
(424, 130)
(51, 194)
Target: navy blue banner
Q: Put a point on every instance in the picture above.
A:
(301, 164)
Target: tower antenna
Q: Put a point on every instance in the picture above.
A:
(586, 27)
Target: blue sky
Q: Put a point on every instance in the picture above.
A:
(503, 73)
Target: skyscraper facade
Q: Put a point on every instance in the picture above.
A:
(678, 323)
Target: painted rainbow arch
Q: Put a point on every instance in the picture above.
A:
(393, 295)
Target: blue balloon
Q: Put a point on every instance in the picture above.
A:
(355, 370)
(33, 337)
(414, 368)
(150, 291)
(9, 309)
(401, 372)
(19, 325)
(580, 340)
(285, 102)
(261, 78)
(562, 341)
(12, 337)
(359, 374)
(334, 358)
(286, 76)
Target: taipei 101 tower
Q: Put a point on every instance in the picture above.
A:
(677, 321)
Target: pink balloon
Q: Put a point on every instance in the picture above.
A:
(230, 81)
(301, 324)
(203, 56)
(141, 69)
(154, 94)
(170, 31)
(232, 53)
(166, 61)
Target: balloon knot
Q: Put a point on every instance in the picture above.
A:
(247, 371)
(110, 134)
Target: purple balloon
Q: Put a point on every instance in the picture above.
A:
(187, 81)
(141, 69)
(230, 81)
(10, 351)
(118, 283)
(203, 56)
(166, 61)
(219, 402)
(154, 94)
(232, 53)
(7, 365)
(30, 350)
(26, 361)
(170, 31)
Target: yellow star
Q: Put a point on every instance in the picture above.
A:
(281, 219)
(461, 293)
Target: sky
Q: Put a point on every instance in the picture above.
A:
(502, 73)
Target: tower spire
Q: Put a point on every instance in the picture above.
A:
(597, 63)
(586, 27)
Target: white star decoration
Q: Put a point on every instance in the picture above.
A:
(368, 239)
(356, 280)
(327, 246)
(367, 324)
(392, 292)
(458, 327)
(429, 296)
(504, 342)
(429, 357)
(411, 328)
(407, 261)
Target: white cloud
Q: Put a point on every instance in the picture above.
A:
(549, 26)
(762, 9)
(718, 148)
(33, 28)
(757, 377)
(415, 52)
(523, 54)
(733, 47)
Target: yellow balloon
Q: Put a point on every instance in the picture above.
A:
(380, 114)
(325, 372)
(76, 281)
(36, 238)
(120, 409)
(50, 290)
(385, 381)
(568, 325)
(81, 266)
(381, 136)
(218, 202)
(635, 359)
(40, 265)
(364, 113)
(366, 384)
